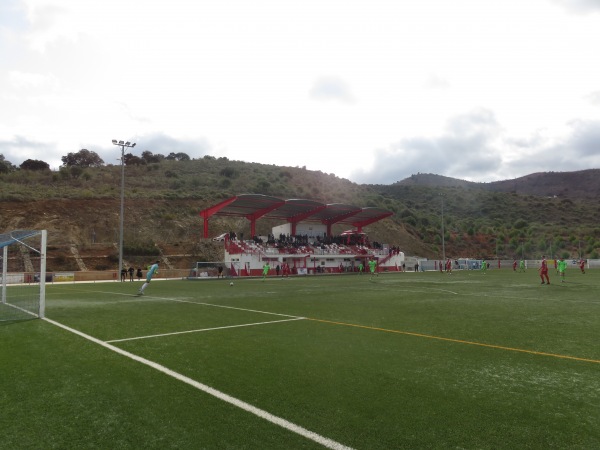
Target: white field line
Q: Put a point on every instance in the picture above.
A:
(239, 309)
(34, 315)
(171, 299)
(205, 329)
(326, 442)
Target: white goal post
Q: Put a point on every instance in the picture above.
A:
(23, 279)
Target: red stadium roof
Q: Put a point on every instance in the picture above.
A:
(255, 206)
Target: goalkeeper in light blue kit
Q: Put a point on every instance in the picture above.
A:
(153, 270)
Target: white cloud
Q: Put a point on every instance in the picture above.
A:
(331, 88)
(580, 6)
(593, 98)
(368, 90)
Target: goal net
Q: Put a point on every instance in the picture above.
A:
(23, 264)
(204, 269)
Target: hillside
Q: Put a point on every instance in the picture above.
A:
(583, 184)
(80, 208)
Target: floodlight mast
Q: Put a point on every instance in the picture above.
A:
(443, 233)
(122, 145)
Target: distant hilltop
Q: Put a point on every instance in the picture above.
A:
(574, 185)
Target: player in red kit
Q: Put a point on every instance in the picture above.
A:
(544, 271)
(515, 265)
(582, 265)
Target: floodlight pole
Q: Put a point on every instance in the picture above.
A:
(122, 214)
(443, 238)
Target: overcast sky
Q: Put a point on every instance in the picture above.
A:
(373, 91)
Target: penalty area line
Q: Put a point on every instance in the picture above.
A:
(325, 442)
(204, 329)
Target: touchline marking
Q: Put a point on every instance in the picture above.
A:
(459, 341)
(204, 329)
(325, 442)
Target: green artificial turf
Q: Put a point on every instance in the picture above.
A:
(402, 360)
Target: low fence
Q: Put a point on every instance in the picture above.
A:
(424, 265)
(412, 264)
(91, 276)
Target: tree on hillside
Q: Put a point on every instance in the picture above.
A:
(34, 164)
(83, 158)
(178, 157)
(132, 160)
(6, 166)
(150, 158)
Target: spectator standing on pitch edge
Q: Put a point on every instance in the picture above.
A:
(151, 272)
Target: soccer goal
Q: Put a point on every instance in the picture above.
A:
(204, 269)
(23, 264)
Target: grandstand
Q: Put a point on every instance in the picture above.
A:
(304, 242)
